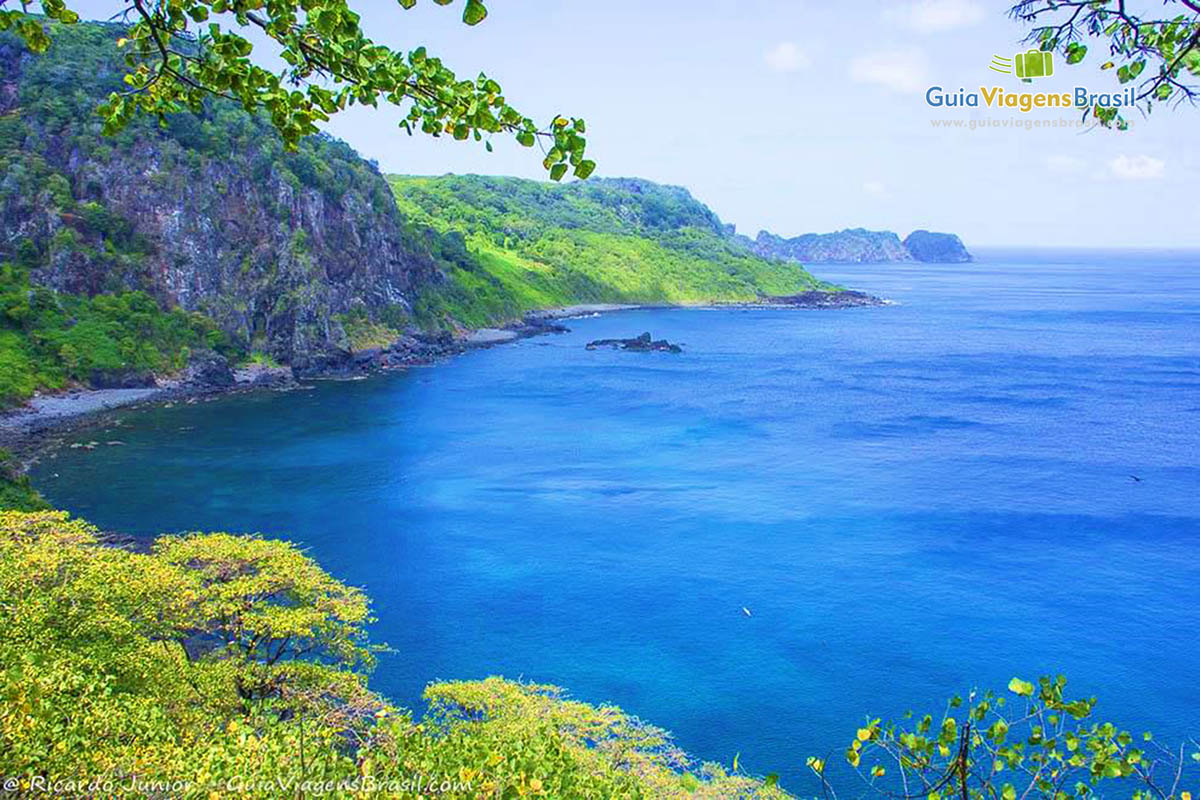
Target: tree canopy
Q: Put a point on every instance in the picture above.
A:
(1158, 51)
(179, 53)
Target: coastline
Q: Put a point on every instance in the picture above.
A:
(29, 431)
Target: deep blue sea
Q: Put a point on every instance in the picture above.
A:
(910, 500)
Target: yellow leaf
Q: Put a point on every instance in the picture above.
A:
(864, 734)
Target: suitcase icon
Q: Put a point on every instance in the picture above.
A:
(1034, 64)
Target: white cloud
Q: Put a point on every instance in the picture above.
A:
(875, 189)
(1065, 165)
(902, 70)
(935, 16)
(787, 57)
(1137, 168)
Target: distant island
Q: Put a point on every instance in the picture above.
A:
(860, 246)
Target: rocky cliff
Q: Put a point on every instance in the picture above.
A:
(206, 212)
(858, 245)
(944, 248)
(855, 245)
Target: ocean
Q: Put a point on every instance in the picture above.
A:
(997, 476)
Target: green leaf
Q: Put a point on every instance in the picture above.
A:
(474, 13)
(1023, 688)
(557, 172)
(585, 169)
(690, 782)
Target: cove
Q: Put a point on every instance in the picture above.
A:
(911, 500)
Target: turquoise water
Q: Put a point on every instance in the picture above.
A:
(911, 500)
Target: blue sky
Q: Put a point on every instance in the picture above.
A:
(798, 116)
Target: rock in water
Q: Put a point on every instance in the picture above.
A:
(942, 248)
(642, 344)
(207, 370)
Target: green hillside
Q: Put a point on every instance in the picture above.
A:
(512, 245)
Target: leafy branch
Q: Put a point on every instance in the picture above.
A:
(180, 53)
(1043, 745)
(1167, 44)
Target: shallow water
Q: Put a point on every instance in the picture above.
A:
(911, 500)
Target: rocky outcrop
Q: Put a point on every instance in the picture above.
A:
(640, 344)
(208, 371)
(208, 213)
(859, 246)
(941, 248)
(853, 246)
(847, 298)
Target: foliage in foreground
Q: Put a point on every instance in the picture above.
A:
(178, 55)
(234, 664)
(512, 245)
(1033, 741)
(1158, 51)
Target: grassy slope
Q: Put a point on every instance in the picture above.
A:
(512, 245)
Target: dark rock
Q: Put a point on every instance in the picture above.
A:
(641, 344)
(818, 299)
(417, 348)
(207, 370)
(368, 357)
(121, 379)
(257, 376)
(536, 322)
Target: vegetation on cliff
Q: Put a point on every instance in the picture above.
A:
(209, 212)
(235, 665)
(123, 253)
(511, 245)
(49, 339)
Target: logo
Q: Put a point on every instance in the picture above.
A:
(1027, 66)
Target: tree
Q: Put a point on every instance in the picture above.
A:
(182, 52)
(1159, 52)
(270, 612)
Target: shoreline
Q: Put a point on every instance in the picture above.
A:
(32, 430)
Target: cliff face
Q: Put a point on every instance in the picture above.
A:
(208, 213)
(856, 245)
(944, 248)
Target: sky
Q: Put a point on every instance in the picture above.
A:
(800, 116)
